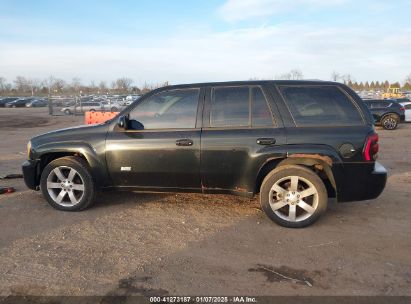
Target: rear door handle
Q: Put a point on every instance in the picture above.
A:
(184, 142)
(266, 141)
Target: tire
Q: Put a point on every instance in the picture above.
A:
(65, 192)
(67, 112)
(390, 121)
(278, 198)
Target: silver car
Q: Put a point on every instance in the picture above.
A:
(83, 107)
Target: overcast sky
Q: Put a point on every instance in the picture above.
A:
(210, 40)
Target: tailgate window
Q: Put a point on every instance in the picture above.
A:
(321, 105)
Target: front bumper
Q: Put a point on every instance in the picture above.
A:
(31, 174)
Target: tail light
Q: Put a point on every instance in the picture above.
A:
(402, 109)
(371, 147)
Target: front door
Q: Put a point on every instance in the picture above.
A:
(161, 146)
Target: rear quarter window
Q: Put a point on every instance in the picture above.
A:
(321, 106)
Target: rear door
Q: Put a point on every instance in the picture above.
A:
(239, 130)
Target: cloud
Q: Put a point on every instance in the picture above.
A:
(237, 10)
(262, 52)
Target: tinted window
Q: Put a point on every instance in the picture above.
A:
(327, 105)
(170, 109)
(261, 115)
(230, 107)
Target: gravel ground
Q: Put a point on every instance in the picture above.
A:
(189, 244)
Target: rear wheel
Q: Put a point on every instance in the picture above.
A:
(390, 121)
(67, 184)
(67, 112)
(293, 196)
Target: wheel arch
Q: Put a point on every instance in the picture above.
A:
(47, 153)
(388, 114)
(319, 164)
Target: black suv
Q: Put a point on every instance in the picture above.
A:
(296, 143)
(386, 112)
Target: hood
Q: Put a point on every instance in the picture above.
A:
(83, 133)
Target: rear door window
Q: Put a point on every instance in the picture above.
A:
(241, 106)
(230, 107)
(261, 114)
(320, 105)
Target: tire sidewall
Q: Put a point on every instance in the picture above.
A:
(285, 171)
(83, 170)
(388, 117)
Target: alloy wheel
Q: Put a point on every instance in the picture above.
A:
(293, 198)
(65, 186)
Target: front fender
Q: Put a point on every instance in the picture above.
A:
(95, 161)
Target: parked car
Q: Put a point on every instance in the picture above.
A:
(112, 105)
(5, 100)
(386, 112)
(35, 103)
(83, 107)
(402, 100)
(407, 109)
(295, 143)
(18, 103)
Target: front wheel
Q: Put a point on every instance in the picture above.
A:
(67, 184)
(293, 196)
(390, 122)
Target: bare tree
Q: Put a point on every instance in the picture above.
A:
(48, 83)
(335, 76)
(21, 84)
(124, 83)
(102, 86)
(34, 85)
(346, 78)
(58, 85)
(285, 76)
(296, 74)
(3, 82)
(92, 86)
(76, 84)
(408, 79)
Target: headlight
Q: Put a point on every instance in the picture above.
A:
(28, 149)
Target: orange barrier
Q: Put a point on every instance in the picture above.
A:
(98, 117)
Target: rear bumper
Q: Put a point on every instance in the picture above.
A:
(402, 118)
(377, 181)
(359, 186)
(31, 174)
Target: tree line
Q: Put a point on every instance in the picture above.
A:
(56, 86)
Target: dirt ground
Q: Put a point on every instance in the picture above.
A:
(186, 244)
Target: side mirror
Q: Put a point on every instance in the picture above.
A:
(122, 122)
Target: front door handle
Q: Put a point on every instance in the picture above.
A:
(266, 141)
(184, 142)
